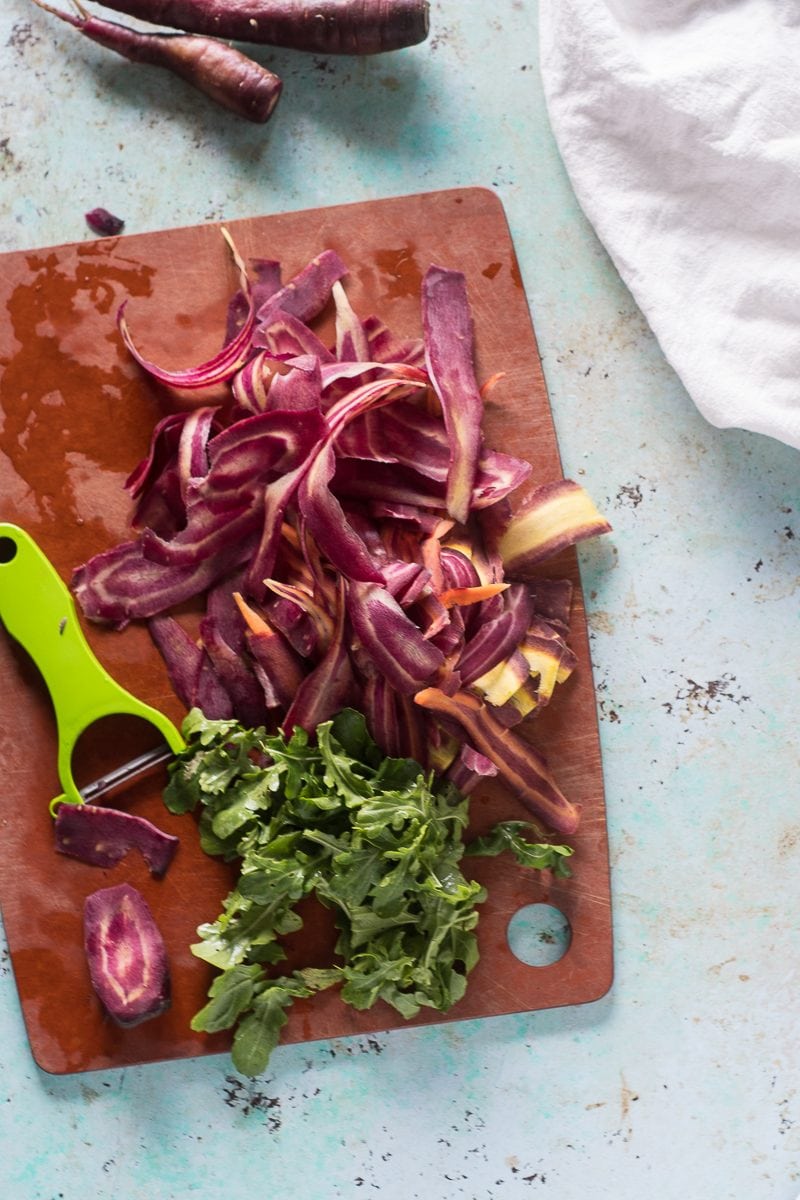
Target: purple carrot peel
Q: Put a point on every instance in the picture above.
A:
(553, 517)
(347, 536)
(447, 325)
(308, 292)
(102, 837)
(390, 638)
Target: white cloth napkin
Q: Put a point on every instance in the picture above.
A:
(679, 125)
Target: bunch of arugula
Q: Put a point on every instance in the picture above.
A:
(374, 838)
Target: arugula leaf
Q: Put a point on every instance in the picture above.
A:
(259, 1033)
(245, 799)
(375, 838)
(374, 974)
(319, 978)
(341, 774)
(231, 994)
(507, 835)
(354, 873)
(349, 728)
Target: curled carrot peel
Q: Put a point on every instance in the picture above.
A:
(502, 682)
(321, 619)
(225, 363)
(491, 383)
(554, 516)
(520, 765)
(449, 357)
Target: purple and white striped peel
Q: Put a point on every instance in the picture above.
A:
(553, 517)
(393, 642)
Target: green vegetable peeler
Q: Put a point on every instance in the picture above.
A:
(38, 611)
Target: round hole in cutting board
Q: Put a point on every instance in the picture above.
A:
(539, 934)
(8, 550)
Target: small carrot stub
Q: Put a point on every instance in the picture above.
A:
(277, 667)
(104, 223)
(255, 623)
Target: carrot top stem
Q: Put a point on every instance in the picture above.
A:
(81, 18)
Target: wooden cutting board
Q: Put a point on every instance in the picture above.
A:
(75, 417)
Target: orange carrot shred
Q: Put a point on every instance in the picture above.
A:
(255, 623)
(470, 595)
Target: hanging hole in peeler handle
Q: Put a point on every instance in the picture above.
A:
(8, 550)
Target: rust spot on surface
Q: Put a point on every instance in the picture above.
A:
(789, 840)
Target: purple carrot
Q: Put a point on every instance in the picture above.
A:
(211, 696)
(182, 656)
(325, 26)
(308, 292)
(521, 767)
(214, 68)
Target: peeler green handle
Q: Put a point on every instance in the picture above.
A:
(38, 611)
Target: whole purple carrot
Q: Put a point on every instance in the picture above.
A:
(323, 26)
(214, 68)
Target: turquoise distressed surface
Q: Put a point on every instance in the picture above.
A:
(683, 1082)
